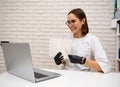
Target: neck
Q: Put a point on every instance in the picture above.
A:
(79, 35)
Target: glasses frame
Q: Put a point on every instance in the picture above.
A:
(68, 23)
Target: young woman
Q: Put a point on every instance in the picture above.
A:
(87, 52)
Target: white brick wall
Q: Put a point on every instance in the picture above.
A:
(35, 21)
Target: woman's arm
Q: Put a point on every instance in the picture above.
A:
(93, 64)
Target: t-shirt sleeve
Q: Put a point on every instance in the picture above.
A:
(100, 55)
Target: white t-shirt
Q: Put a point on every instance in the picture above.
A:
(88, 47)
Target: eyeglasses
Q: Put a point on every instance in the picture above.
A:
(68, 23)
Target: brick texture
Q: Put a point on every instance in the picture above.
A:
(35, 21)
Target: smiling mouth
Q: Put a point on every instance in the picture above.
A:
(72, 29)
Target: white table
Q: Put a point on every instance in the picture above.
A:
(67, 79)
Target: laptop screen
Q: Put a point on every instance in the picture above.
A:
(18, 60)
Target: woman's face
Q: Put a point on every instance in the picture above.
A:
(74, 23)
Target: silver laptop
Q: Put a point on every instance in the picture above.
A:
(19, 63)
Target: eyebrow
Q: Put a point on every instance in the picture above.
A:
(71, 20)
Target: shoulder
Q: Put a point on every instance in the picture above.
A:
(91, 37)
(94, 40)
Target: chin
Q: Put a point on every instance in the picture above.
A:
(73, 32)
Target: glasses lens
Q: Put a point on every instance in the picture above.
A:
(70, 22)
(73, 21)
(67, 23)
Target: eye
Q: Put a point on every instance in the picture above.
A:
(73, 21)
(67, 23)
(70, 22)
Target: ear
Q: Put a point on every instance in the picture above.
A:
(83, 21)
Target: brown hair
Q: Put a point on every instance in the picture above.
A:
(79, 13)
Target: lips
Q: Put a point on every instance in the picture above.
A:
(74, 28)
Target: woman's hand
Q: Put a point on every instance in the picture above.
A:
(77, 59)
(58, 58)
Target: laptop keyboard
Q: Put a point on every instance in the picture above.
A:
(39, 75)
